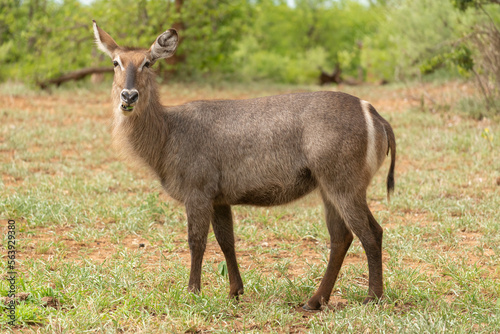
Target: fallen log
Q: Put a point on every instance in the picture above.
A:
(75, 75)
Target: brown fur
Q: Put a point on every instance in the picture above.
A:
(265, 151)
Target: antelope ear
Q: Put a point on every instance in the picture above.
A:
(104, 42)
(165, 45)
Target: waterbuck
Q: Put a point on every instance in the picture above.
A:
(265, 151)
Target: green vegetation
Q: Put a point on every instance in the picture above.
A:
(81, 215)
(268, 40)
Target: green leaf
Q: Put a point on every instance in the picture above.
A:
(222, 268)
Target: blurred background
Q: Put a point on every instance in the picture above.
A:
(294, 41)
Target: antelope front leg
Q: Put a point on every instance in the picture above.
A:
(222, 223)
(198, 213)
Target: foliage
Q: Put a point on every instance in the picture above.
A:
(253, 40)
(290, 44)
(43, 39)
(411, 34)
(462, 4)
(461, 57)
(59, 36)
(209, 39)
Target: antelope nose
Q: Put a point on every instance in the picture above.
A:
(129, 96)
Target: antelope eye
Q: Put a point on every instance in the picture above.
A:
(147, 64)
(115, 63)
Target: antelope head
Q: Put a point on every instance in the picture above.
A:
(134, 81)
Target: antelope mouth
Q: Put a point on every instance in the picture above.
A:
(127, 107)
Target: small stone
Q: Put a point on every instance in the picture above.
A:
(22, 295)
(50, 302)
(5, 300)
(18, 297)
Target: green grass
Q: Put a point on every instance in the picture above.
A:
(81, 214)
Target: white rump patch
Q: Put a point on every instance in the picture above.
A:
(371, 154)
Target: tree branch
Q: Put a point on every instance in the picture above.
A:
(75, 75)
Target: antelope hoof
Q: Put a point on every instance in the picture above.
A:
(315, 303)
(309, 308)
(312, 305)
(369, 300)
(193, 289)
(236, 294)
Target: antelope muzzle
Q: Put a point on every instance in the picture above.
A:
(129, 95)
(129, 98)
